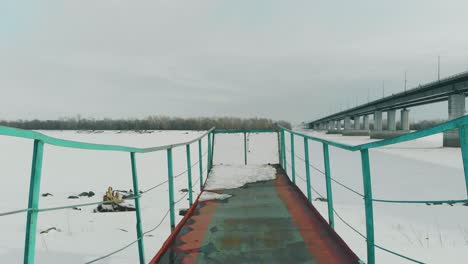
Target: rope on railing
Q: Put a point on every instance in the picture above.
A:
(108, 202)
(377, 200)
(443, 127)
(428, 202)
(361, 234)
(167, 213)
(312, 188)
(98, 203)
(15, 212)
(337, 182)
(331, 178)
(375, 245)
(113, 252)
(79, 205)
(155, 186)
(144, 233)
(162, 183)
(133, 242)
(347, 188)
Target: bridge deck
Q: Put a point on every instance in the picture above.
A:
(263, 222)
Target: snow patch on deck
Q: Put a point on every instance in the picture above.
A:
(235, 176)
(206, 196)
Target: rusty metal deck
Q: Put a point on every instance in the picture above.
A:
(263, 222)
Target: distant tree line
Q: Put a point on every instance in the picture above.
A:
(423, 124)
(148, 123)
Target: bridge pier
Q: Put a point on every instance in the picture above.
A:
(336, 127)
(356, 130)
(366, 122)
(331, 127)
(378, 120)
(391, 130)
(404, 120)
(357, 122)
(347, 123)
(391, 122)
(456, 108)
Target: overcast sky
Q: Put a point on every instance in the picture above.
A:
(293, 60)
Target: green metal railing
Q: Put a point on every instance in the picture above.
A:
(245, 133)
(40, 140)
(36, 171)
(461, 124)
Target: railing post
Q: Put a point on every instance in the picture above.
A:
(136, 193)
(293, 165)
(368, 206)
(33, 202)
(245, 148)
(326, 157)
(209, 153)
(280, 157)
(213, 134)
(189, 173)
(307, 168)
(200, 163)
(463, 137)
(170, 177)
(283, 150)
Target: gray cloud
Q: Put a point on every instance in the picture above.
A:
(294, 60)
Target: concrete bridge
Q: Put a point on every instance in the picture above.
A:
(356, 121)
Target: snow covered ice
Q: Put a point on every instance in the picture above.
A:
(416, 170)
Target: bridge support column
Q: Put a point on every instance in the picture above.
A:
(378, 120)
(456, 108)
(357, 123)
(335, 128)
(356, 130)
(405, 120)
(391, 122)
(347, 123)
(391, 130)
(366, 122)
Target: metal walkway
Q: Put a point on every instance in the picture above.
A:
(263, 222)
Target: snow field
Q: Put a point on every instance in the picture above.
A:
(85, 235)
(416, 170)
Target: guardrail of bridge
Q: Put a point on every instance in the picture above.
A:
(35, 181)
(246, 132)
(461, 124)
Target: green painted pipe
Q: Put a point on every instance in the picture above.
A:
(293, 163)
(209, 153)
(136, 191)
(326, 157)
(33, 202)
(463, 137)
(245, 148)
(170, 176)
(307, 168)
(283, 150)
(368, 206)
(200, 163)
(189, 174)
